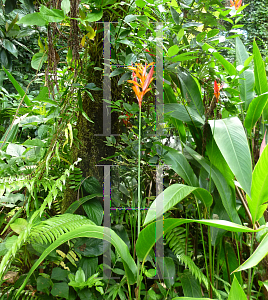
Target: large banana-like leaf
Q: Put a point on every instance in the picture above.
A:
(231, 139)
(169, 97)
(255, 110)
(246, 86)
(189, 89)
(261, 85)
(259, 189)
(256, 257)
(180, 165)
(216, 158)
(173, 195)
(236, 292)
(184, 113)
(149, 235)
(92, 231)
(227, 197)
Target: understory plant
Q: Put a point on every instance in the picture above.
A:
(210, 161)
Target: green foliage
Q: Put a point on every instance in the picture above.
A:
(205, 171)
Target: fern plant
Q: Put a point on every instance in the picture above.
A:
(26, 233)
(49, 230)
(179, 242)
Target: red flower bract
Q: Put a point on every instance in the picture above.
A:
(236, 3)
(145, 79)
(217, 88)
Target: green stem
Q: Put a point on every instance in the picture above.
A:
(250, 279)
(203, 243)
(129, 291)
(139, 198)
(139, 175)
(218, 264)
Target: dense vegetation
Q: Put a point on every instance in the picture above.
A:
(133, 157)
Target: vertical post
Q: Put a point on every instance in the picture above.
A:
(159, 80)
(159, 247)
(107, 128)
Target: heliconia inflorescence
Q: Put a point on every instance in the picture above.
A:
(145, 79)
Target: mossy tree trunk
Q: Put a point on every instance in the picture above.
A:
(92, 147)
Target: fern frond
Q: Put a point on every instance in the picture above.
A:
(177, 241)
(49, 230)
(193, 268)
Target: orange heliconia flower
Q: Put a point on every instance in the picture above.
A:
(236, 3)
(217, 88)
(145, 79)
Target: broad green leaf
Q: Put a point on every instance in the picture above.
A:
(15, 150)
(10, 47)
(38, 60)
(140, 3)
(219, 162)
(94, 16)
(175, 15)
(189, 89)
(212, 33)
(66, 6)
(256, 257)
(246, 87)
(226, 64)
(259, 189)
(75, 205)
(227, 197)
(42, 283)
(60, 289)
(19, 225)
(34, 143)
(89, 265)
(236, 292)
(183, 57)
(200, 36)
(130, 58)
(18, 87)
(169, 97)
(173, 50)
(255, 110)
(261, 85)
(180, 165)
(190, 285)
(149, 235)
(33, 19)
(92, 231)
(52, 15)
(173, 195)
(94, 211)
(59, 274)
(183, 113)
(231, 139)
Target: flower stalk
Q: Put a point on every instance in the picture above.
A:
(140, 89)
